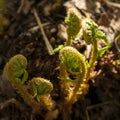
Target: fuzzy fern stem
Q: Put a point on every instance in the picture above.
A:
(29, 99)
(93, 58)
(91, 35)
(72, 63)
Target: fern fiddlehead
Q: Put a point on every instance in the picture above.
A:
(15, 72)
(41, 88)
(15, 69)
(74, 64)
(91, 34)
(73, 25)
(75, 70)
(71, 65)
(37, 91)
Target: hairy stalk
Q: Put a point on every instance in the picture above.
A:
(76, 91)
(92, 61)
(68, 42)
(29, 99)
(91, 35)
(73, 71)
(73, 63)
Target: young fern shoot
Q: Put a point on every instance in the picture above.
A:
(15, 72)
(37, 91)
(41, 88)
(73, 28)
(91, 35)
(73, 25)
(75, 70)
(72, 65)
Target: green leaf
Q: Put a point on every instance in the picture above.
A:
(87, 64)
(118, 36)
(58, 48)
(101, 34)
(67, 79)
(102, 51)
(73, 23)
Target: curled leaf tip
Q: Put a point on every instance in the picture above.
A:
(73, 61)
(89, 28)
(15, 69)
(40, 86)
(73, 22)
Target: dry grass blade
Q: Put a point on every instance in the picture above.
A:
(11, 101)
(113, 4)
(48, 45)
(21, 6)
(96, 106)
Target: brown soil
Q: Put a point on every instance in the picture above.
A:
(102, 102)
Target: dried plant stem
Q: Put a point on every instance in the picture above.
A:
(117, 5)
(12, 100)
(21, 6)
(96, 106)
(48, 45)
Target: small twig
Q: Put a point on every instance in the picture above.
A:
(48, 45)
(99, 105)
(35, 28)
(117, 44)
(13, 101)
(87, 115)
(95, 106)
(21, 6)
(113, 4)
